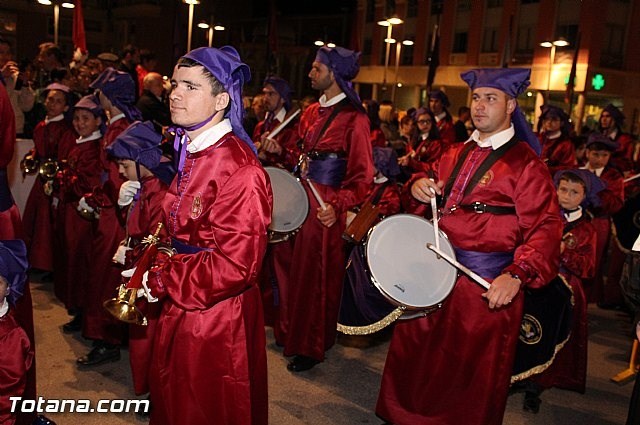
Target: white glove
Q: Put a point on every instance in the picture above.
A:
(120, 254)
(127, 191)
(82, 205)
(144, 291)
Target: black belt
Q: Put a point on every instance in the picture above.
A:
(320, 156)
(480, 208)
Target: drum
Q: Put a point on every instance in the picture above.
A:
(290, 204)
(394, 276)
(545, 328)
(627, 222)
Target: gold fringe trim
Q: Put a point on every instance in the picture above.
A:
(374, 327)
(541, 368)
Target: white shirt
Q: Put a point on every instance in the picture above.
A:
(334, 100)
(116, 118)
(4, 307)
(440, 116)
(553, 135)
(210, 137)
(47, 120)
(281, 114)
(597, 171)
(495, 141)
(573, 215)
(93, 136)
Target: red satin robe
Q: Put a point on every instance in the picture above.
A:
(74, 234)
(425, 155)
(454, 366)
(447, 131)
(39, 211)
(209, 361)
(17, 357)
(622, 158)
(105, 275)
(317, 271)
(577, 262)
(377, 138)
(287, 139)
(10, 223)
(558, 153)
(144, 216)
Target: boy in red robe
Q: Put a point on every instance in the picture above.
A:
(500, 213)
(558, 151)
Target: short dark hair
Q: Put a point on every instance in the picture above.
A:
(128, 49)
(216, 85)
(463, 109)
(597, 146)
(49, 48)
(573, 178)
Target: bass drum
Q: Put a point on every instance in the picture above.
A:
(394, 275)
(545, 328)
(290, 204)
(627, 222)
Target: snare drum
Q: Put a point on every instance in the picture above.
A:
(290, 204)
(404, 278)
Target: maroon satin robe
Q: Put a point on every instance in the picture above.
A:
(105, 275)
(38, 217)
(209, 360)
(454, 366)
(17, 357)
(143, 219)
(74, 234)
(577, 262)
(425, 155)
(558, 154)
(447, 131)
(317, 265)
(10, 223)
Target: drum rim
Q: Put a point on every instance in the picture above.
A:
(381, 289)
(285, 234)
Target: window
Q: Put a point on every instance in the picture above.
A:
(406, 57)
(464, 5)
(612, 46)
(436, 7)
(491, 4)
(460, 42)
(371, 11)
(412, 8)
(569, 33)
(490, 40)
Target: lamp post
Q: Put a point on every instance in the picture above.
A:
(210, 29)
(398, 50)
(56, 14)
(191, 4)
(552, 54)
(389, 23)
(321, 43)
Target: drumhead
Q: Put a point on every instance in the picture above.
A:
(403, 268)
(290, 202)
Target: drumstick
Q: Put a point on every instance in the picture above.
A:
(628, 179)
(434, 213)
(316, 195)
(477, 278)
(284, 123)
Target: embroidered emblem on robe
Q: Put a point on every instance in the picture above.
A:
(530, 330)
(486, 179)
(196, 207)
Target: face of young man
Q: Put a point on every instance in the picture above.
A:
(597, 158)
(551, 124)
(273, 100)
(191, 101)
(85, 123)
(606, 121)
(570, 194)
(127, 168)
(435, 105)
(491, 110)
(321, 77)
(55, 103)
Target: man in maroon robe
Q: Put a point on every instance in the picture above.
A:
(209, 361)
(438, 104)
(336, 157)
(500, 212)
(558, 152)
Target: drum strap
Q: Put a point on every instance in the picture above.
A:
(493, 157)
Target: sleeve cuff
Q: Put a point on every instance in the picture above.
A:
(518, 271)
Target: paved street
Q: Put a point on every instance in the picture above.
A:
(343, 390)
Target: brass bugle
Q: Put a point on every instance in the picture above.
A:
(29, 164)
(123, 307)
(48, 169)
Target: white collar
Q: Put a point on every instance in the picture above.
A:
(424, 136)
(210, 136)
(495, 141)
(574, 215)
(93, 136)
(334, 100)
(441, 116)
(380, 180)
(613, 134)
(597, 171)
(553, 135)
(47, 120)
(4, 307)
(281, 114)
(116, 117)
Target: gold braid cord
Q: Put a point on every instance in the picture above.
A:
(541, 368)
(374, 327)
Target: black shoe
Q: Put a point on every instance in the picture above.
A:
(74, 325)
(301, 363)
(100, 354)
(531, 402)
(42, 420)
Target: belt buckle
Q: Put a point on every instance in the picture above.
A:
(479, 207)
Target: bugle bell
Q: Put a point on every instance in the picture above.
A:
(29, 164)
(123, 307)
(48, 169)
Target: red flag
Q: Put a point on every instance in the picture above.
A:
(79, 36)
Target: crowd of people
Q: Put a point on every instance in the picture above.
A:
(129, 164)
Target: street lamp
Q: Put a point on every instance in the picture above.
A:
(56, 14)
(389, 23)
(191, 3)
(211, 28)
(321, 43)
(398, 49)
(561, 42)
